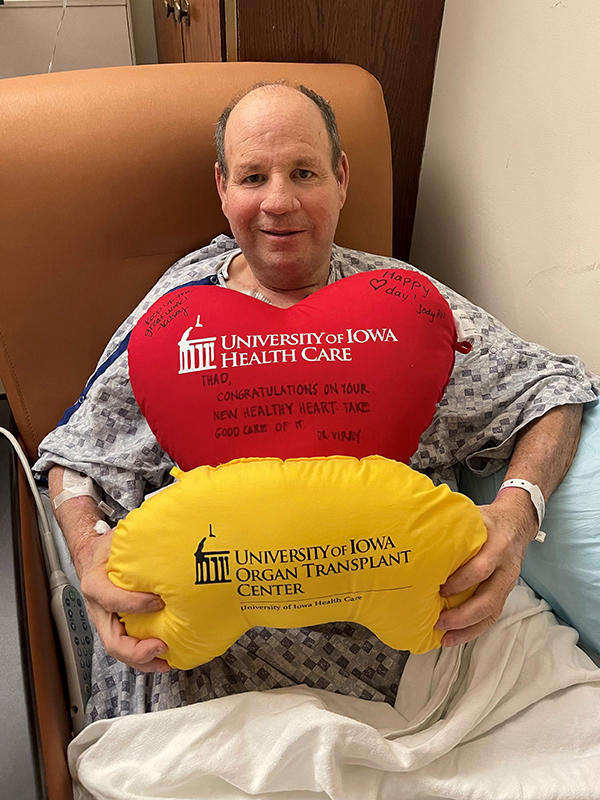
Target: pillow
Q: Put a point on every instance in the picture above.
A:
(565, 568)
(293, 543)
(356, 368)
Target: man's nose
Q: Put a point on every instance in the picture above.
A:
(280, 197)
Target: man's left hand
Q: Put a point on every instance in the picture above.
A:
(511, 523)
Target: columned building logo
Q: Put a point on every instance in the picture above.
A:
(212, 566)
(196, 355)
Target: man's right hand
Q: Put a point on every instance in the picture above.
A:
(105, 602)
(89, 550)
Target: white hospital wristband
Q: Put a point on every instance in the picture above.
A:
(537, 498)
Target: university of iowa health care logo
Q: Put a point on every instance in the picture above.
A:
(196, 355)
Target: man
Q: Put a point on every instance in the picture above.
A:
(282, 180)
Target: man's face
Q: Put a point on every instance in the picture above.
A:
(282, 197)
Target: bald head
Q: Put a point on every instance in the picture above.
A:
(260, 94)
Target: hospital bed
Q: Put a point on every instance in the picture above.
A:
(106, 180)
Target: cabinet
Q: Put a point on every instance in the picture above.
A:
(188, 30)
(396, 40)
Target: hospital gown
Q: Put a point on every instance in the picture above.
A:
(494, 391)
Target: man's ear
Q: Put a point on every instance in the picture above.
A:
(343, 177)
(221, 186)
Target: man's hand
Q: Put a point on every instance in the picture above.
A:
(105, 601)
(90, 551)
(543, 453)
(511, 523)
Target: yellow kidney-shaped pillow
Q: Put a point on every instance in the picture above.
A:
(286, 544)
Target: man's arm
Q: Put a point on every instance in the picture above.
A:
(90, 551)
(543, 453)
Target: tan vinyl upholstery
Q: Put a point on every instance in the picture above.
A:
(106, 179)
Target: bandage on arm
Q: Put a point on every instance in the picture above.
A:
(76, 484)
(81, 520)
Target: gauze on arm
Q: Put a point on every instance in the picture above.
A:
(76, 484)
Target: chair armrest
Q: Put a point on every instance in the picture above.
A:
(21, 766)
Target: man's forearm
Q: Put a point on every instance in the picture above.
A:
(90, 551)
(542, 455)
(546, 447)
(77, 518)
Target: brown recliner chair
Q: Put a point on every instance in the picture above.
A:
(106, 179)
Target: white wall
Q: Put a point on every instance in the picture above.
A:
(509, 202)
(94, 33)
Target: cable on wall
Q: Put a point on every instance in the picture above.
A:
(60, 22)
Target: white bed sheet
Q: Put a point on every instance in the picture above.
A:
(514, 715)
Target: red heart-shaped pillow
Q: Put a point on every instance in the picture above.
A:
(356, 368)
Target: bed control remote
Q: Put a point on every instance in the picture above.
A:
(68, 608)
(76, 639)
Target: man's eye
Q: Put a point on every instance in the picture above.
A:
(253, 178)
(304, 174)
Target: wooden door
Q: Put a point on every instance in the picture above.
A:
(188, 30)
(202, 36)
(169, 38)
